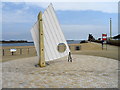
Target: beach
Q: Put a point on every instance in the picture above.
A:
(91, 67)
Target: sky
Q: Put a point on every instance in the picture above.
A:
(77, 19)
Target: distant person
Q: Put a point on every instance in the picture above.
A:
(69, 57)
(102, 43)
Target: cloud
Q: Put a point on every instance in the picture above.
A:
(24, 15)
(59, 0)
(16, 15)
(1, 12)
(109, 7)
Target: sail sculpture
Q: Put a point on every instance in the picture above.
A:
(52, 35)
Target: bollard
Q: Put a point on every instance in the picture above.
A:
(12, 53)
(3, 52)
(28, 50)
(58, 48)
(20, 51)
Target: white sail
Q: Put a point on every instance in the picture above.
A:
(52, 35)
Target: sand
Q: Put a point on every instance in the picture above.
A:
(93, 49)
(24, 49)
(84, 72)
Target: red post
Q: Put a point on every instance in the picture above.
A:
(104, 38)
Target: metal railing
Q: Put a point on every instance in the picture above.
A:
(19, 51)
(32, 50)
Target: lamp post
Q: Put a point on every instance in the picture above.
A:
(110, 28)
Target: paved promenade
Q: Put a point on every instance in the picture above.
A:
(84, 72)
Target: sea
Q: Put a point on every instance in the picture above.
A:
(32, 44)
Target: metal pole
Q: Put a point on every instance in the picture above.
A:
(106, 41)
(102, 42)
(106, 46)
(41, 41)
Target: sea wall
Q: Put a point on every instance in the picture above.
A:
(111, 42)
(114, 42)
(30, 50)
